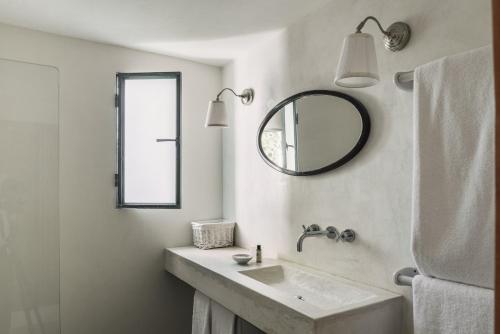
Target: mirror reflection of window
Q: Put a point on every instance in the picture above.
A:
(290, 136)
(272, 145)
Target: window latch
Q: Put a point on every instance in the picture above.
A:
(159, 140)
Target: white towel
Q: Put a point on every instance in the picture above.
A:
(443, 307)
(453, 181)
(222, 319)
(201, 314)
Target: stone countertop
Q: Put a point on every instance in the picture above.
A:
(214, 273)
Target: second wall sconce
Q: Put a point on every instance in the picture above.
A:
(217, 115)
(357, 65)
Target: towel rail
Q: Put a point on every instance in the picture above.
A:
(405, 276)
(404, 80)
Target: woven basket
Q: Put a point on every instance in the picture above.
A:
(213, 233)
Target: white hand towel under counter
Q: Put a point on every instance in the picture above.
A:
(209, 317)
(201, 314)
(453, 199)
(223, 320)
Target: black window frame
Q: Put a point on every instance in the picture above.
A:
(120, 133)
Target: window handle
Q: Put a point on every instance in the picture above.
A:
(159, 140)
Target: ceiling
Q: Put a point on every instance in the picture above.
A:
(209, 31)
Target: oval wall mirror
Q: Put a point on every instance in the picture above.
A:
(313, 132)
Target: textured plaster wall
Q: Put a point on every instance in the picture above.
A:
(371, 194)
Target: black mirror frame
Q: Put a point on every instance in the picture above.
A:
(363, 138)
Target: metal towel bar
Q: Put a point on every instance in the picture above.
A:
(405, 276)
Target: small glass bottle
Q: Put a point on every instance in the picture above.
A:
(258, 255)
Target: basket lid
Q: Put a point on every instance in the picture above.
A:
(212, 222)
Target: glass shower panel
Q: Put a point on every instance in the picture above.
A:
(29, 199)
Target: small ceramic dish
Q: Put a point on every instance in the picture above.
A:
(242, 258)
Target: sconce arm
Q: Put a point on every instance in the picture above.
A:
(362, 24)
(229, 89)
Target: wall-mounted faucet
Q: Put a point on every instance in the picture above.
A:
(314, 231)
(331, 232)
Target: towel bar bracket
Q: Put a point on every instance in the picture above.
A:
(404, 80)
(405, 276)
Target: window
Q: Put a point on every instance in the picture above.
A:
(149, 148)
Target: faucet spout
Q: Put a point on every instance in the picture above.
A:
(315, 231)
(300, 241)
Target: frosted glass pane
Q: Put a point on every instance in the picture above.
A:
(150, 108)
(150, 176)
(150, 166)
(29, 223)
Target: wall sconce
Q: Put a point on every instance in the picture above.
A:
(216, 114)
(357, 66)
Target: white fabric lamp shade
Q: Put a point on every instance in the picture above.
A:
(357, 66)
(216, 115)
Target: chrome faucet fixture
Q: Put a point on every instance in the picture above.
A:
(314, 231)
(331, 232)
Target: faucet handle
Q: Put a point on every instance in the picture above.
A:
(314, 228)
(348, 235)
(332, 233)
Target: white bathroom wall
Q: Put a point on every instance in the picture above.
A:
(112, 276)
(371, 194)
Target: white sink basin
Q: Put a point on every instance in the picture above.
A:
(320, 290)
